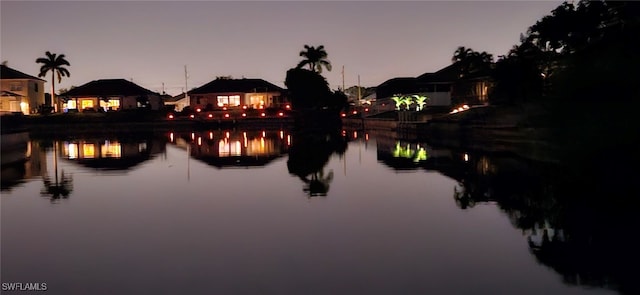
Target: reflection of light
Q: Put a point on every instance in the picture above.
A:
(73, 151)
(110, 150)
(355, 134)
(210, 135)
(244, 134)
(264, 134)
(171, 136)
(288, 139)
(226, 134)
(366, 136)
(262, 143)
(88, 151)
(193, 136)
(199, 140)
(466, 157)
(281, 134)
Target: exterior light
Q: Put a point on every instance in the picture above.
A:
(193, 135)
(227, 134)
(192, 116)
(198, 110)
(281, 134)
(366, 136)
(263, 114)
(264, 134)
(466, 157)
(244, 115)
(210, 135)
(355, 134)
(261, 107)
(170, 116)
(355, 112)
(280, 114)
(366, 109)
(244, 107)
(224, 108)
(199, 140)
(210, 115)
(466, 107)
(343, 115)
(171, 136)
(226, 115)
(288, 107)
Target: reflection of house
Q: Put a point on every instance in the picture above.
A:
(21, 160)
(109, 154)
(227, 92)
(111, 94)
(236, 149)
(20, 92)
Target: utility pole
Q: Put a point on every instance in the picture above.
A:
(343, 90)
(186, 89)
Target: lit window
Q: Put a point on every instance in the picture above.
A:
(86, 103)
(223, 100)
(88, 151)
(228, 149)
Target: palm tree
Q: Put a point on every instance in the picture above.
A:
(54, 63)
(316, 58)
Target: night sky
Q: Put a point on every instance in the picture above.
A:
(151, 42)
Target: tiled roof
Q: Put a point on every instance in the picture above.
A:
(236, 85)
(108, 87)
(9, 73)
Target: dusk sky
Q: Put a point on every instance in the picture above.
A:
(151, 42)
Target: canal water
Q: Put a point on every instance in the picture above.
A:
(283, 212)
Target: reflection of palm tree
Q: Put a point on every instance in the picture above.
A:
(316, 58)
(61, 187)
(308, 155)
(318, 185)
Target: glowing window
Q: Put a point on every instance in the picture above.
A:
(86, 103)
(223, 100)
(234, 100)
(88, 151)
(71, 104)
(71, 150)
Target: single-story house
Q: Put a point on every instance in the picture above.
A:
(20, 92)
(235, 93)
(110, 95)
(179, 102)
(444, 87)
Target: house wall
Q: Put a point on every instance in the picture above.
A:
(32, 92)
(249, 99)
(438, 99)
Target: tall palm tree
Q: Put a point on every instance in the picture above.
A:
(316, 58)
(55, 64)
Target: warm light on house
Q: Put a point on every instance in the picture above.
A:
(88, 151)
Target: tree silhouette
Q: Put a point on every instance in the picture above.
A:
(55, 64)
(316, 58)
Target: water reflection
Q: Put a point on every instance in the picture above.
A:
(22, 159)
(233, 148)
(110, 153)
(59, 187)
(308, 155)
(579, 219)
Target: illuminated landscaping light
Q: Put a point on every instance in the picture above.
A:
(280, 114)
(226, 115)
(198, 110)
(366, 109)
(210, 115)
(244, 107)
(170, 116)
(355, 112)
(224, 108)
(244, 115)
(288, 107)
(192, 116)
(343, 115)
(263, 114)
(466, 107)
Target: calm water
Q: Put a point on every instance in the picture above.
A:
(271, 212)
